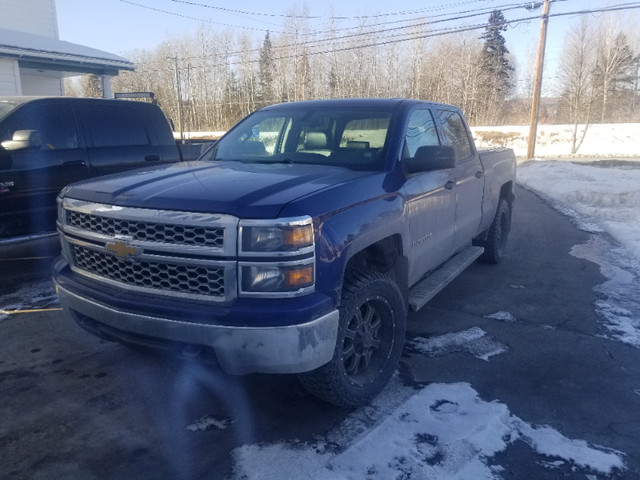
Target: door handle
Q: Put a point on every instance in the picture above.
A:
(74, 163)
(479, 174)
(152, 158)
(449, 185)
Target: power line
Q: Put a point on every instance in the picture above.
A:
(406, 38)
(369, 29)
(329, 17)
(189, 17)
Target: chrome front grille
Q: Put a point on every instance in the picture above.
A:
(189, 279)
(159, 252)
(148, 231)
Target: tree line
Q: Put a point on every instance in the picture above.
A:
(211, 79)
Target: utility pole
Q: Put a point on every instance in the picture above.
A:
(537, 87)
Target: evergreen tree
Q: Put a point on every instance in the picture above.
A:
(494, 63)
(91, 86)
(266, 75)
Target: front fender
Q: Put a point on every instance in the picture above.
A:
(345, 233)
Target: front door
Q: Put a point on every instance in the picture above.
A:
(430, 202)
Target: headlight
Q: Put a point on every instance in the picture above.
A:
(276, 278)
(276, 257)
(258, 236)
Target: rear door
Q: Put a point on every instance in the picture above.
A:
(430, 201)
(469, 176)
(37, 173)
(117, 138)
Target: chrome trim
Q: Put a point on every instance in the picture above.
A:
(170, 217)
(229, 266)
(162, 253)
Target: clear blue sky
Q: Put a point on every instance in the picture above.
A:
(120, 26)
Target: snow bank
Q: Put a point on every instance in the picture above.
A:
(606, 196)
(601, 140)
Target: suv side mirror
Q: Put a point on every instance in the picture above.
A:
(429, 158)
(23, 139)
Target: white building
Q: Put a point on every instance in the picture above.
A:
(34, 61)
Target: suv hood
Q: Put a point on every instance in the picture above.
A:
(243, 190)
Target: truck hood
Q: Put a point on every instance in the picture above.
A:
(243, 190)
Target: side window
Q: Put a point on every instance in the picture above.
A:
(421, 131)
(114, 126)
(55, 124)
(455, 133)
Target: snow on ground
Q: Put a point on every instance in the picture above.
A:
(444, 432)
(29, 297)
(606, 140)
(474, 341)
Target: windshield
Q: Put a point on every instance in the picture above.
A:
(6, 107)
(352, 138)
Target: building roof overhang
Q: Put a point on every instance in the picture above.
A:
(45, 53)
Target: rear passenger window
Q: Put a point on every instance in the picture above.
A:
(114, 126)
(455, 133)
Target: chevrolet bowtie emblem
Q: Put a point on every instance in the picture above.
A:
(122, 249)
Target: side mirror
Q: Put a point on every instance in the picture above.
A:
(429, 158)
(23, 139)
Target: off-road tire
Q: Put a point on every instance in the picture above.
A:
(495, 245)
(370, 340)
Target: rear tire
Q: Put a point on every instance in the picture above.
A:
(370, 341)
(495, 246)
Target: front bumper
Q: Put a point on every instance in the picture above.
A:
(238, 350)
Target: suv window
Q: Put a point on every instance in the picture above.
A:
(455, 133)
(55, 124)
(114, 126)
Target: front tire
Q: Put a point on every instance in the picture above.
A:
(370, 341)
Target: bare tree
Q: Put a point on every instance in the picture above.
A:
(576, 79)
(615, 60)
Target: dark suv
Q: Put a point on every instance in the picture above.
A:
(48, 143)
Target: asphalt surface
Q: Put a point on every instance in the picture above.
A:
(72, 406)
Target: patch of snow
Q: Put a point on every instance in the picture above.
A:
(601, 198)
(474, 341)
(31, 296)
(444, 431)
(620, 307)
(210, 422)
(503, 316)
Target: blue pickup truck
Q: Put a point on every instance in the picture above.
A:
(296, 244)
